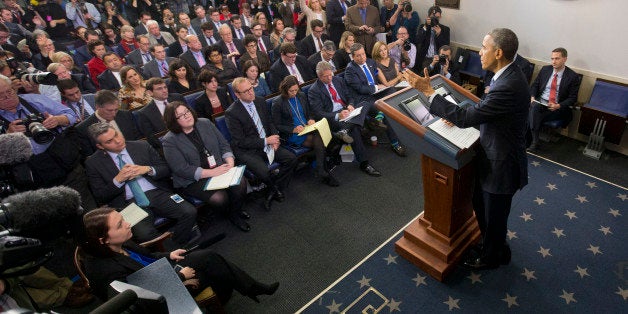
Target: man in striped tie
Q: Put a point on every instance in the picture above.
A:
(255, 141)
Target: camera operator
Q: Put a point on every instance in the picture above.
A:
(82, 13)
(430, 38)
(405, 16)
(55, 161)
(443, 65)
(402, 51)
(385, 13)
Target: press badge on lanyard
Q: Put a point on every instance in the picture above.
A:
(210, 160)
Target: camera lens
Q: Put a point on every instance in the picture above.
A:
(40, 134)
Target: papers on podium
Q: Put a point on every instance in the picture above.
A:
(225, 180)
(462, 138)
(322, 126)
(133, 214)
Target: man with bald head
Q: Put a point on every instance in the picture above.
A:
(194, 56)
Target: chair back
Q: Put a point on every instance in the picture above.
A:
(78, 264)
(221, 124)
(471, 64)
(609, 97)
(191, 97)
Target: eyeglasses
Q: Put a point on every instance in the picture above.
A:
(253, 45)
(186, 114)
(7, 93)
(246, 91)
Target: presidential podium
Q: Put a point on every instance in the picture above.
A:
(436, 241)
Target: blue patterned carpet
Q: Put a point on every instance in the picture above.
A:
(569, 240)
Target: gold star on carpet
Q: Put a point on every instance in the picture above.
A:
(393, 305)
(545, 252)
(571, 215)
(539, 201)
(526, 217)
(453, 303)
(591, 184)
(420, 280)
(582, 271)
(551, 187)
(623, 197)
(623, 293)
(511, 300)
(605, 230)
(581, 199)
(536, 163)
(614, 212)
(559, 232)
(594, 249)
(390, 259)
(511, 235)
(568, 297)
(529, 274)
(475, 278)
(561, 173)
(364, 282)
(334, 307)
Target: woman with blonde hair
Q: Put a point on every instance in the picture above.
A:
(66, 59)
(388, 73)
(343, 54)
(313, 11)
(133, 93)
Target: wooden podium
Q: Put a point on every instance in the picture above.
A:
(436, 241)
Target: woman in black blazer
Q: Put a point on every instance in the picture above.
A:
(111, 255)
(291, 113)
(214, 100)
(196, 151)
(182, 78)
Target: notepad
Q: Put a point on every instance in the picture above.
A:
(225, 180)
(322, 126)
(356, 112)
(133, 214)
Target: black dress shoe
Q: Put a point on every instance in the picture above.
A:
(268, 200)
(377, 125)
(245, 215)
(370, 170)
(259, 288)
(479, 263)
(399, 150)
(330, 180)
(279, 196)
(238, 222)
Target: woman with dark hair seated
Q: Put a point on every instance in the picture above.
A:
(215, 99)
(181, 78)
(225, 69)
(253, 53)
(291, 113)
(110, 255)
(196, 151)
(251, 72)
(133, 93)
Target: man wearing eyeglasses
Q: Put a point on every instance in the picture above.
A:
(290, 63)
(255, 141)
(263, 41)
(313, 42)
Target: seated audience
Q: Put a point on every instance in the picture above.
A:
(160, 65)
(83, 83)
(261, 18)
(388, 73)
(111, 78)
(110, 34)
(291, 112)
(254, 53)
(290, 63)
(179, 46)
(182, 78)
(121, 173)
(263, 41)
(55, 19)
(127, 42)
(96, 65)
(156, 36)
(402, 50)
(42, 59)
(289, 35)
(72, 97)
(107, 110)
(66, 59)
(140, 56)
(133, 94)
(215, 100)
(224, 68)
(447, 68)
(252, 73)
(196, 151)
(194, 56)
(237, 28)
(556, 88)
(150, 118)
(209, 37)
(327, 53)
(313, 43)
(112, 16)
(82, 54)
(276, 34)
(255, 141)
(231, 47)
(343, 54)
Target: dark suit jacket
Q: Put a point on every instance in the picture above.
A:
(320, 99)
(151, 69)
(183, 156)
(244, 136)
(334, 14)
(567, 90)
(125, 121)
(204, 107)
(357, 82)
(502, 116)
(262, 61)
(282, 114)
(106, 80)
(225, 50)
(278, 71)
(196, 22)
(423, 43)
(245, 30)
(175, 49)
(16, 52)
(267, 43)
(191, 60)
(84, 83)
(353, 21)
(140, 30)
(151, 122)
(307, 45)
(521, 62)
(135, 58)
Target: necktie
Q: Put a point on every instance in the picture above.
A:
(140, 197)
(191, 31)
(334, 95)
(553, 87)
(295, 72)
(344, 7)
(320, 44)
(257, 121)
(261, 46)
(369, 77)
(363, 13)
(199, 59)
(241, 34)
(147, 57)
(80, 16)
(232, 48)
(164, 69)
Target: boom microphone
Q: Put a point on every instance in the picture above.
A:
(35, 213)
(117, 304)
(14, 148)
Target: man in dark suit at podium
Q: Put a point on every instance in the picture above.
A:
(556, 87)
(502, 116)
